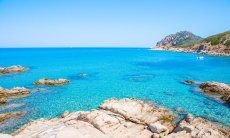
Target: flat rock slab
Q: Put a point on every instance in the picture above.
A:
(46, 81)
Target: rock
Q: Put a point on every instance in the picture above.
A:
(15, 92)
(51, 82)
(158, 128)
(143, 113)
(66, 113)
(12, 69)
(12, 106)
(226, 98)
(5, 136)
(200, 128)
(9, 115)
(181, 134)
(121, 118)
(180, 110)
(189, 118)
(189, 82)
(114, 118)
(3, 99)
(216, 88)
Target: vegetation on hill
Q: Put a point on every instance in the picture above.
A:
(179, 39)
(221, 38)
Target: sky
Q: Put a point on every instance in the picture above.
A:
(107, 23)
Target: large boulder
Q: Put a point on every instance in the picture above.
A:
(12, 69)
(45, 81)
(216, 89)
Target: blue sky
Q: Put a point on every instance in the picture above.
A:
(102, 23)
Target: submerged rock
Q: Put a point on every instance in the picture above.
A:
(11, 69)
(9, 115)
(216, 88)
(181, 111)
(83, 75)
(51, 82)
(189, 82)
(15, 92)
(139, 77)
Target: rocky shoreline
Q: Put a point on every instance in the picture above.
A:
(122, 118)
(187, 50)
(126, 117)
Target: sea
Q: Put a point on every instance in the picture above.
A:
(154, 76)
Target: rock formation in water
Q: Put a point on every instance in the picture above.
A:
(189, 82)
(121, 118)
(12, 69)
(216, 89)
(218, 44)
(51, 82)
(9, 115)
(15, 92)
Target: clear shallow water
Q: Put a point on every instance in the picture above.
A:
(141, 73)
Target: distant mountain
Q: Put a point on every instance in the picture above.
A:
(184, 41)
(179, 39)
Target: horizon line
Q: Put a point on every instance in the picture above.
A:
(77, 47)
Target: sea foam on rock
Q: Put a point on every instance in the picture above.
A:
(121, 118)
(11, 69)
(46, 81)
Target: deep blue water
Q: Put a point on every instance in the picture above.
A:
(112, 72)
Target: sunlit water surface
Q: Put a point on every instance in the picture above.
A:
(111, 72)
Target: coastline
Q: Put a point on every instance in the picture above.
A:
(126, 117)
(190, 51)
(131, 78)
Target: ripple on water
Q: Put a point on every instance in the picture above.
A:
(139, 77)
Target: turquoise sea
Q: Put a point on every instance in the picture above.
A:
(156, 76)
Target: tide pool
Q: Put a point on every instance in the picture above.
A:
(155, 76)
